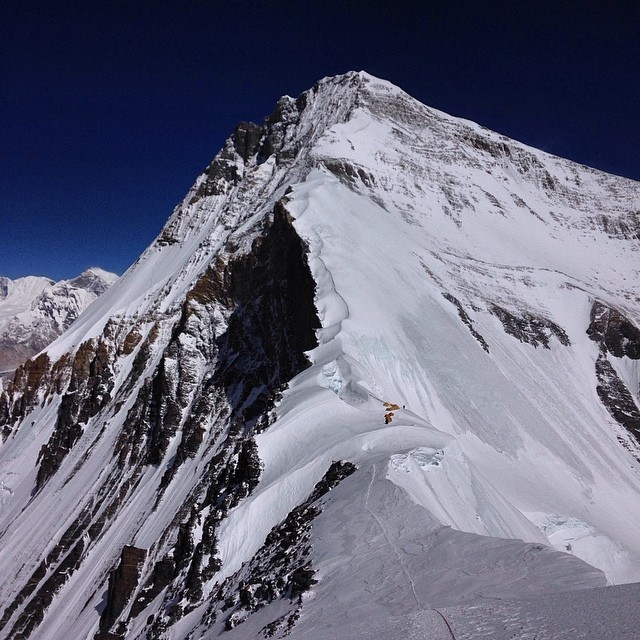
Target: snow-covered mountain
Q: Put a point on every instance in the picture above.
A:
(379, 371)
(34, 311)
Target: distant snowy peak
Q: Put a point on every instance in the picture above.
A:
(95, 280)
(17, 295)
(35, 310)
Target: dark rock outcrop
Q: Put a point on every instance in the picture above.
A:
(464, 316)
(88, 392)
(524, 162)
(246, 139)
(164, 571)
(273, 322)
(122, 583)
(269, 297)
(349, 173)
(617, 398)
(622, 227)
(21, 395)
(614, 332)
(530, 329)
(617, 337)
(282, 567)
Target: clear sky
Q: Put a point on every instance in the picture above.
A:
(109, 109)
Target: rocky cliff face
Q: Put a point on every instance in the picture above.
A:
(619, 340)
(206, 394)
(35, 311)
(199, 381)
(206, 444)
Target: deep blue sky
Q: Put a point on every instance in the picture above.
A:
(109, 109)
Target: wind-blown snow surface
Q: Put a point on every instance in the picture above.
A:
(501, 475)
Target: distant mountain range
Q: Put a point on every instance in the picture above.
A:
(377, 377)
(35, 310)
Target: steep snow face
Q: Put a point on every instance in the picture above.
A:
(34, 311)
(380, 360)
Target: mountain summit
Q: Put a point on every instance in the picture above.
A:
(379, 369)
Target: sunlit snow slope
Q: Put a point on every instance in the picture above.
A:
(379, 362)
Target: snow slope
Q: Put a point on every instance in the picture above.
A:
(607, 614)
(454, 273)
